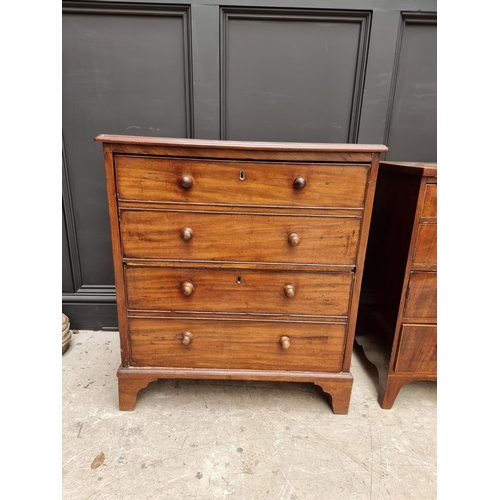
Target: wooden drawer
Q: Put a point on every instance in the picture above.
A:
(425, 254)
(430, 201)
(238, 291)
(236, 344)
(421, 298)
(417, 350)
(156, 234)
(240, 183)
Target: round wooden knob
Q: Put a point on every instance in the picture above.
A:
(187, 233)
(186, 338)
(187, 288)
(290, 291)
(299, 183)
(285, 342)
(294, 239)
(186, 181)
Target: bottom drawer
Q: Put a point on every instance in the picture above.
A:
(236, 344)
(417, 349)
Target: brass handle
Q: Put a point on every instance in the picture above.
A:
(186, 338)
(285, 342)
(290, 291)
(294, 239)
(187, 233)
(186, 181)
(299, 183)
(187, 288)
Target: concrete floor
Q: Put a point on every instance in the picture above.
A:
(243, 440)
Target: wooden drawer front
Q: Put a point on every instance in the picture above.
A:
(425, 254)
(421, 299)
(155, 234)
(237, 344)
(241, 183)
(238, 291)
(417, 349)
(430, 201)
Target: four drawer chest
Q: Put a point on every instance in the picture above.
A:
(397, 321)
(238, 260)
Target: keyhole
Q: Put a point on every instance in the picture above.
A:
(242, 175)
(238, 280)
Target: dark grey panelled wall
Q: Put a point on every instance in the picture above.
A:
(337, 71)
(412, 123)
(300, 79)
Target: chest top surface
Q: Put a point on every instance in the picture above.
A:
(422, 169)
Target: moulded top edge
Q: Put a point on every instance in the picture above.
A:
(249, 145)
(425, 169)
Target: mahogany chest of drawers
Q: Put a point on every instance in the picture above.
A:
(238, 260)
(397, 322)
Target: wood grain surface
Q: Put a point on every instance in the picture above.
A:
(240, 183)
(237, 344)
(239, 291)
(239, 237)
(417, 351)
(421, 298)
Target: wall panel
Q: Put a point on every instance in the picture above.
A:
(125, 70)
(292, 75)
(412, 114)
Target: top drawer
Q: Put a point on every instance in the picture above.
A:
(159, 179)
(429, 209)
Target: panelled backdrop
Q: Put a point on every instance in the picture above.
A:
(359, 71)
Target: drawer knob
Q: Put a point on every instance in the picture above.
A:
(294, 239)
(186, 338)
(285, 342)
(187, 233)
(299, 183)
(187, 182)
(187, 288)
(290, 291)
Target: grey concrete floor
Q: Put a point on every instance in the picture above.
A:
(243, 440)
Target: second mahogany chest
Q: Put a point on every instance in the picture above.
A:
(397, 322)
